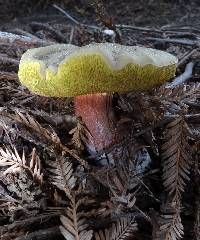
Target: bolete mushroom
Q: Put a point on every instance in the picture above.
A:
(91, 74)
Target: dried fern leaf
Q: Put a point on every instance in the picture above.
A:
(21, 175)
(61, 174)
(11, 159)
(48, 138)
(178, 93)
(170, 225)
(35, 166)
(176, 160)
(78, 137)
(74, 225)
(32, 124)
(124, 228)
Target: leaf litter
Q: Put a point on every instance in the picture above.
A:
(49, 185)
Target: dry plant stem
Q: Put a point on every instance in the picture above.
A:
(21, 40)
(8, 76)
(186, 42)
(97, 114)
(183, 77)
(55, 33)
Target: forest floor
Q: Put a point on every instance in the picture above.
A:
(50, 188)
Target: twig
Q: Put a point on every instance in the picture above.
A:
(28, 221)
(193, 117)
(187, 56)
(76, 21)
(7, 60)
(142, 214)
(22, 32)
(195, 105)
(172, 34)
(66, 14)
(56, 34)
(71, 35)
(54, 119)
(8, 76)
(74, 155)
(21, 40)
(144, 29)
(183, 77)
(180, 28)
(187, 42)
(136, 28)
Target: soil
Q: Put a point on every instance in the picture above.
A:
(17, 13)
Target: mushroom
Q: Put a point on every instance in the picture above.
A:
(91, 74)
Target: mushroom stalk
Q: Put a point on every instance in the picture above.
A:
(97, 114)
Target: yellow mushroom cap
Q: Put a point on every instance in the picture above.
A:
(66, 70)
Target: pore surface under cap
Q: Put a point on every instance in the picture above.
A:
(68, 70)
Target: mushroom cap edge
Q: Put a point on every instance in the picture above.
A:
(94, 68)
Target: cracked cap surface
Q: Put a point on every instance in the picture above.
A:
(62, 70)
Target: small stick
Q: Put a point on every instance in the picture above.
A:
(67, 15)
(8, 76)
(8, 60)
(183, 77)
(180, 28)
(187, 42)
(173, 34)
(144, 29)
(21, 40)
(71, 34)
(74, 20)
(28, 221)
(187, 56)
(22, 32)
(56, 34)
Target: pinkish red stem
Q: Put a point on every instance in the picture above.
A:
(97, 114)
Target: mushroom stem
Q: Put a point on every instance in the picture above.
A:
(97, 114)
